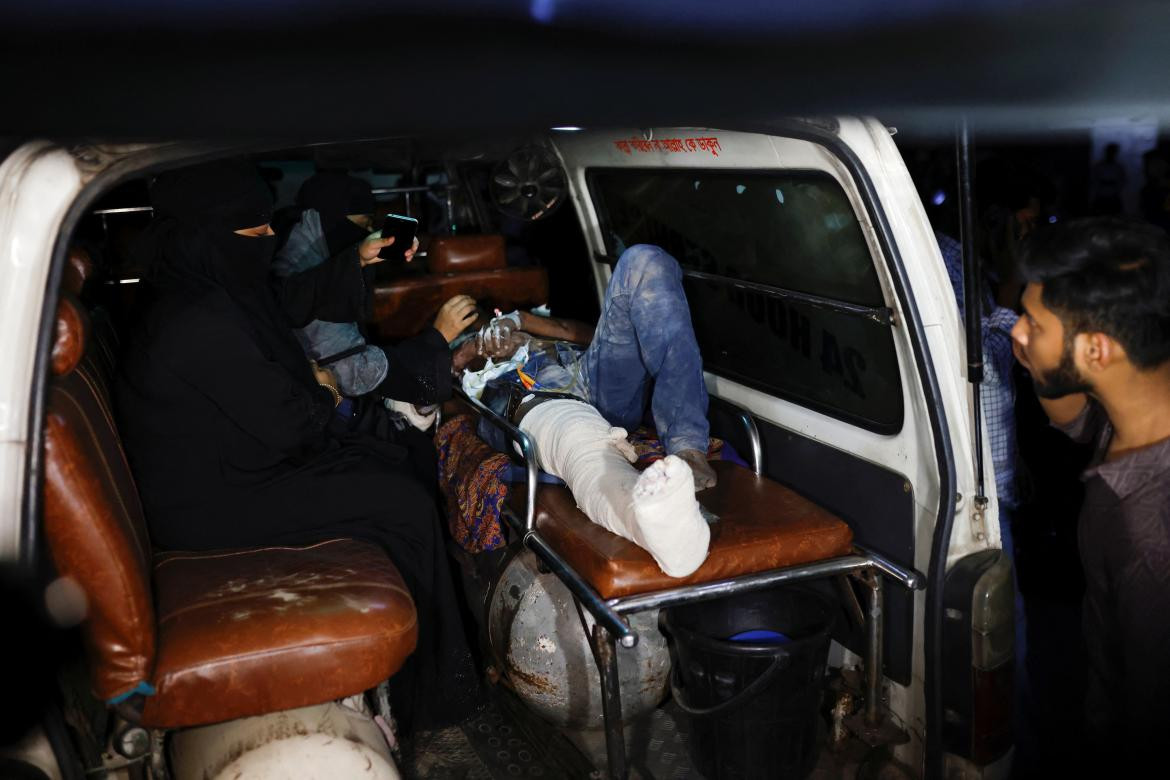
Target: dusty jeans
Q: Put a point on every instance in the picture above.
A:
(645, 345)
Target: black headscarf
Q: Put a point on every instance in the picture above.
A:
(190, 248)
(334, 195)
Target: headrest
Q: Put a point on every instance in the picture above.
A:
(461, 254)
(72, 333)
(78, 270)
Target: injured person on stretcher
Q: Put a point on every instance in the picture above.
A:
(577, 403)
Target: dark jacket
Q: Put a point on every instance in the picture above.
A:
(206, 412)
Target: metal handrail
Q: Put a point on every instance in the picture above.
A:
(706, 591)
(577, 585)
(882, 315)
(376, 191)
(126, 210)
(406, 190)
(753, 433)
(585, 593)
(527, 456)
(907, 577)
(686, 594)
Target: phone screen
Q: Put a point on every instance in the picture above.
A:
(404, 230)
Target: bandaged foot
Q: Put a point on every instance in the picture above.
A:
(656, 509)
(664, 510)
(704, 474)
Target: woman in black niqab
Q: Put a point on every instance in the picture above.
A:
(227, 429)
(192, 247)
(335, 195)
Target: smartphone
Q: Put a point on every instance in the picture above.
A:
(404, 229)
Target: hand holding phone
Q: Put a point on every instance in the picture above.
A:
(403, 230)
(384, 245)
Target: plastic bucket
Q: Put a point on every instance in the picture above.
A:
(752, 700)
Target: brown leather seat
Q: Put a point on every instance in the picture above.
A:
(762, 525)
(221, 635)
(473, 265)
(250, 631)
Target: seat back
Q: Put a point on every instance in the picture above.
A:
(473, 265)
(80, 280)
(93, 519)
(464, 254)
(79, 271)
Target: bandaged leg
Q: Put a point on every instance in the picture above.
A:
(655, 509)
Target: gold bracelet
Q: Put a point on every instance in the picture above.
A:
(333, 390)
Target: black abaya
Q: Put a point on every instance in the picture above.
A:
(227, 433)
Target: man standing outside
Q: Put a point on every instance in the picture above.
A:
(1095, 337)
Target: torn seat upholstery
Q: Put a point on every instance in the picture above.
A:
(208, 636)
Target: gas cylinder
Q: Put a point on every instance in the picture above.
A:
(539, 639)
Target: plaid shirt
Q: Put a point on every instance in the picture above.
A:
(998, 397)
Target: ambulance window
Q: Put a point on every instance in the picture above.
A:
(781, 232)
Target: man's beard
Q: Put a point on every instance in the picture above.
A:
(1062, 380)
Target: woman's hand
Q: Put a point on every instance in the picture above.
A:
(368, 250)
(455, 315)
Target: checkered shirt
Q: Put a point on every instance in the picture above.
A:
(998, 396)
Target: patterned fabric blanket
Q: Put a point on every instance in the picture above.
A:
(473, 477)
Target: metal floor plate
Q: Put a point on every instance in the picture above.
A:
(503, 747)
(658, 746)
(490, 746)
(445, 755)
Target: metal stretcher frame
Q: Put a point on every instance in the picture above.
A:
(611, 627)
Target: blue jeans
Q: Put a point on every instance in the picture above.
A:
(645, 345)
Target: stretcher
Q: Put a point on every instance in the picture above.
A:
(766, 535)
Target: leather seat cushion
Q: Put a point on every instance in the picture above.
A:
(246, 632)
(404, 307)
(459, 254)
(762, 525)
